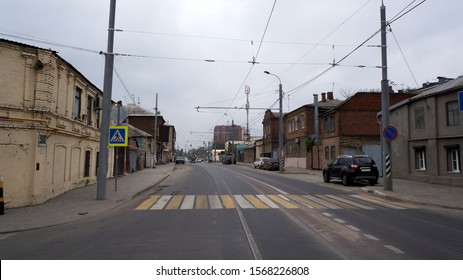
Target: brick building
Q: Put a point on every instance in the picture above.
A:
(352, 127)
(299, 129)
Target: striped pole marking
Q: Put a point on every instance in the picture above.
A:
(388, 165)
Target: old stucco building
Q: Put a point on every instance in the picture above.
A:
(49, 125)
(430, 128)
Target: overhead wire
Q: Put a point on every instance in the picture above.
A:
(255, 57)
(395, 18)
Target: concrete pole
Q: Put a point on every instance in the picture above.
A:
(155, 132)
(281, 131)
(386, 145)
(107, 91)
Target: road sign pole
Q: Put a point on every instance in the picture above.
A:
(386, 145)
(107, 91)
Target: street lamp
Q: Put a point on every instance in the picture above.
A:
(280, 133)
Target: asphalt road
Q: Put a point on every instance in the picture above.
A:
(213, 211)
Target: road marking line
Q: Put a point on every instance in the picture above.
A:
(394, 249)
(376, 201)
(371, 237)
(214, 202)
(159, 205)
(201, 202)
(256, 202)
(188, 202)
(227, 201)
(267, 201)
(339, 221)
(353, 228)
(362, 206)
(175, 202)
(307, 202)
(282, 201)
(145, 205)
(242, 202)
(327, 214)
(322, 202)
(335, 202)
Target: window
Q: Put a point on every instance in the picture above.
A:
(419, 118)
(453, 113)
(303, 121)
(325, 124)
(333, 152)
(327, 152)
(453, 159)
(89, 110)
(331, 122)
(420, 158)
(77, 99)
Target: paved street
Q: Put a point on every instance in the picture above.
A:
(215, 211)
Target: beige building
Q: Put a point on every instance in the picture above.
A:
(49, 125)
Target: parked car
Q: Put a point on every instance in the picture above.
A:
(179, 159)
(352, 168)
(259, 162)
(271, 164)
(227, 160)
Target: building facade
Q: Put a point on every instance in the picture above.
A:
(299, 133)
(430, 140)
(49, 125)
(352, 127)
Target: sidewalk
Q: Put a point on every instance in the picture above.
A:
(405, 190)
(80, 203)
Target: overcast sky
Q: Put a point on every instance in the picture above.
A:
(169, 42)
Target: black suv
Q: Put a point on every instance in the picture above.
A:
(352, 168)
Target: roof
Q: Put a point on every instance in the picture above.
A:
(136, 132)
(452, 85)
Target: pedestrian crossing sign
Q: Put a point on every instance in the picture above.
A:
(118, 136)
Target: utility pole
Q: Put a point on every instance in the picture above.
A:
(107, 91)
(155, 132)
(247, 91)
(280, 125)
(386, 145)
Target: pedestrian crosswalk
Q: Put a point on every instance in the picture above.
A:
(269, 201)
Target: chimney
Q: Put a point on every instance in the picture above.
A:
(323, 97)
(330, 95)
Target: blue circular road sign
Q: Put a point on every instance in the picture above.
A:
(390, 133)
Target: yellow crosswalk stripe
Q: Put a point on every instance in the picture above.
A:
(227, 201)
(175, 202)
(201, 202)
(282, 202)
(147, 203)
(255, 201)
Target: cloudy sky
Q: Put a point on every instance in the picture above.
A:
(171, 45)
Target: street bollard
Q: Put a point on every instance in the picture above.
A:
(2, 200)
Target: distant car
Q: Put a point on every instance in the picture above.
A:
(227, 160)
(352, 168)
(259, 162)
(180, 159)
(271, 164)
